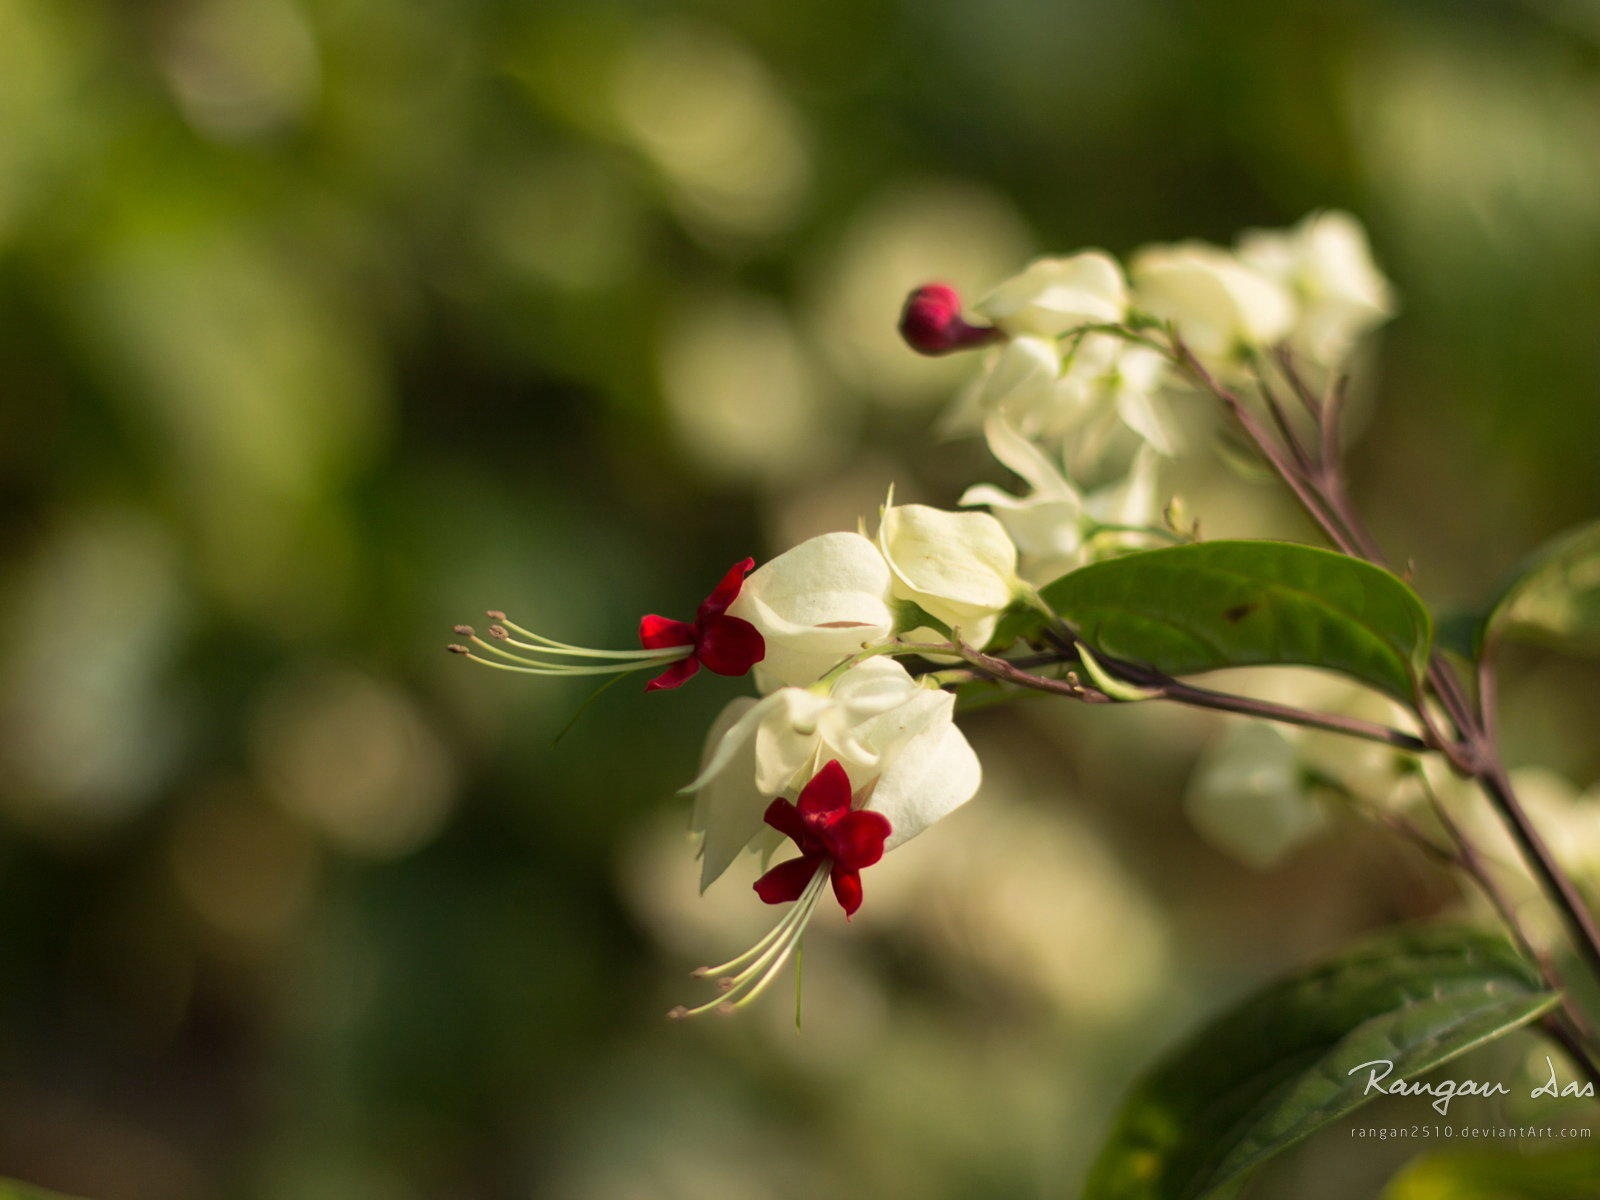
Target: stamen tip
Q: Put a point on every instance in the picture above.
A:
(725, 984)
(498, 631)
(463, 630)
(727, 1010)
(494, 614)
(455, 649)
(700, 972)
(677, 1013)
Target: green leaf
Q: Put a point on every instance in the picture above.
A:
(10, 1189)
(1277, 1067)
(1567, 1174)
(1234, 604)
(1555, 595)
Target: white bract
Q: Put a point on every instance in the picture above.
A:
(1107, 381)
(1021, 381)
(815, 605)
(1055, 526)
(959, 567)
(1221, 307)
(1326, 263)
(1250, 796)
(895, 737)
(1053, 296)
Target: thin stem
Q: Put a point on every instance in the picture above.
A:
(1569, 902)
(1284, 357)
(1164, 688)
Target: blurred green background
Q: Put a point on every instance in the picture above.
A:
(326, 324)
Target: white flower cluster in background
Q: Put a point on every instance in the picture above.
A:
(1065, 399)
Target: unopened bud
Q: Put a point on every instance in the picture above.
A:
(931, 322)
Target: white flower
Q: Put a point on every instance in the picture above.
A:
(1326, 263)
(1055, 295)
(1104, 384)
(960, 568)
(895, 737)
(1022, 382)
(815, 605)
(1220, 306)
(1250, 797)
(1055, 526)
(1108, 381)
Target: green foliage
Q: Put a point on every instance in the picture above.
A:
(10, 1189)
(1554, 596)
(1276, 1068)
(1184, 609)
(1499, 1175)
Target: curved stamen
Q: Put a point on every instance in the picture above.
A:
(536, 666)
(771, 936)
(558, 671)
(501, 619)
(561, 650)
(771, 953)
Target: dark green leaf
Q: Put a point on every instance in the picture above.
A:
(1232, 604)
(1500, 1175)
(10, 1189)
(1277, 1067)
(1555, 595)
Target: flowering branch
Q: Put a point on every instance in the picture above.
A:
(1474, 753)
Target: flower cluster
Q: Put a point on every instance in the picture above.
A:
(847, 752)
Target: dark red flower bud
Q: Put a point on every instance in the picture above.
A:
(931, 322)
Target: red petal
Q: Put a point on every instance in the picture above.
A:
(847, 889)
(729, 645)
(786, 819)
(828, 791)
(725, 592)
(856, 839)
(662, 633)
(675, 676)
(787, 880)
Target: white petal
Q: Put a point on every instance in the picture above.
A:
(957, 565)
(1142, 413)
(816, 604)
(1054, 295)
(1216, 302)
(731, 732)
(728, 807)
(1025, 459)
(930, 777)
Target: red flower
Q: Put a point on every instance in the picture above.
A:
(827, 830)
(931, 322)
(724, 644)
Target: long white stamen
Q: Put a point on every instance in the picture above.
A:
(772, 972)
(563, 647)
(546, 656)
(772, 935)
(526, 670)
(578, 652)
(770, 954)
(535, 666)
